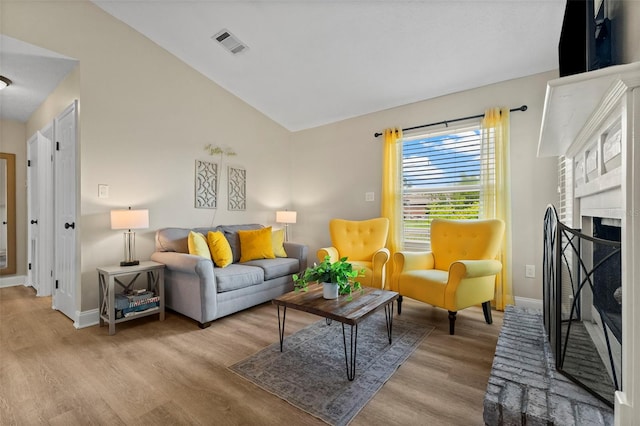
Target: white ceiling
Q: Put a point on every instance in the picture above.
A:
(34, 73)
(313, 62)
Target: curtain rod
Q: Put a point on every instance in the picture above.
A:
(446, 122)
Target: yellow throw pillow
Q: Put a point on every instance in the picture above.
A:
(220, 249)
(255, 244)
(277, 239)
(198, 245)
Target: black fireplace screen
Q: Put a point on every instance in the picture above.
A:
(582, 303)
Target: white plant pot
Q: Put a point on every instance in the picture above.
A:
(329, 290)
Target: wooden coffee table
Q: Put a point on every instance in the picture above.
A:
(348, 312)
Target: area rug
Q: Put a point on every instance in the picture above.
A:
(311, 373)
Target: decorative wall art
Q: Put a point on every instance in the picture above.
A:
(206, 185)
(237, 186)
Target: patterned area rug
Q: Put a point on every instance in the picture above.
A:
(311, 373)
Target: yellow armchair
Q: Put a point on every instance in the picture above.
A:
(363, 243)
(458, 272)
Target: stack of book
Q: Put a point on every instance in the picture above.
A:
(129, 303)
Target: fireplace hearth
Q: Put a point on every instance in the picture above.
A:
(524, 386)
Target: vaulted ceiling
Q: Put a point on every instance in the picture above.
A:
(313, 62)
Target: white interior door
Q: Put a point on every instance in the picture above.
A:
(40, 212)
(32, 211)
(65, 213)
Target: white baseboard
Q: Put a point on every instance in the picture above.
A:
(529, 303)
(86, 318)
(13, 281)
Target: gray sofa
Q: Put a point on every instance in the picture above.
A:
(197, 289)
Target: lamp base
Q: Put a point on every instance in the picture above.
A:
(130, 263)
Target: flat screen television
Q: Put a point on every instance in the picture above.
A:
(585, 40)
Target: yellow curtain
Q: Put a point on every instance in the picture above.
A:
(392, 194)
(496, 192)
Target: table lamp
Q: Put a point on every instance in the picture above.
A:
(286, 217)
(129, 219)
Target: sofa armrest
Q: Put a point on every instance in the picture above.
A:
(297, 251)
(183, 262)
(190, 285)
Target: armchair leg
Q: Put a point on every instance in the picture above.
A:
(486, 308)
(452, 322)
(399, 305)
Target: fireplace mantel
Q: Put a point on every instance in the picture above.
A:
(591, 119)
(573, 103)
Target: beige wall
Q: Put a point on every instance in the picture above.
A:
(12, 141)
(335, 165)
(67, 91)
(145, 119)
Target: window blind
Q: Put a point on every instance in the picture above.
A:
(441, 175)
(565, 190)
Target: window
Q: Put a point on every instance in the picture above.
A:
(442, 177)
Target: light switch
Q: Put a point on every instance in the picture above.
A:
(103, 191)
(369, 196)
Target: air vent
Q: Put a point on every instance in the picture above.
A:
(230, 42)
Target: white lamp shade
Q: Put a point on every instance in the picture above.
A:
(286, 217)
(129, 219)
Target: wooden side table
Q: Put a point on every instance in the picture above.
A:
(109, 276)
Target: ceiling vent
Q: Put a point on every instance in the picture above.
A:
(230, 42)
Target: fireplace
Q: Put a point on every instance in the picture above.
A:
(582, 302)
(591, 124)
(607, 297)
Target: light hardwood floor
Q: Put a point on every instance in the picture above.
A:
(172, 372)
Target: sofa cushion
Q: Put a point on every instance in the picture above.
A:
(275, 268)
(172, 239)
(197, 244)
(220, 249)
(256, 244)
(231, 232)
(236, 276)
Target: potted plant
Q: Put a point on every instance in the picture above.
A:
(337, 278)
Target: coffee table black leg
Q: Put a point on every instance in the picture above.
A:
(350, 359)
(388, 313)
(281, 327)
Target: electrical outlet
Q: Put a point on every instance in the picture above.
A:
(369, 196)
(530, 271)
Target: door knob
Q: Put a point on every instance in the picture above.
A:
(70, 225)
(34, 222)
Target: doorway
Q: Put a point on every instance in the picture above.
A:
(52, 232)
